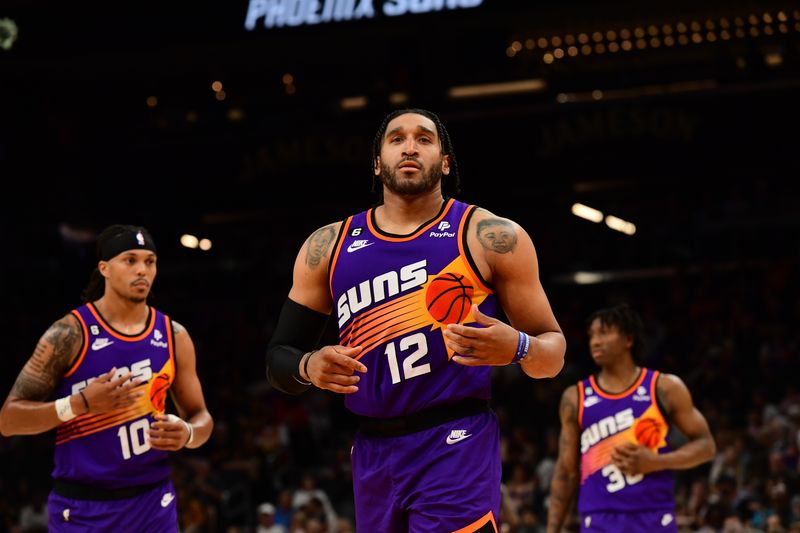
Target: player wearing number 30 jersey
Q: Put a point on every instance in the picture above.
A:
(614, 446)
(414, 285)
(109, 365)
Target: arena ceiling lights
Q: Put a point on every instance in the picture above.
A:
(497, 89)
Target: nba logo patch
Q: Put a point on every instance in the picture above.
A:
(140, 238)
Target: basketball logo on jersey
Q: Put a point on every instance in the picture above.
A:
(448, 298)
(158, 391)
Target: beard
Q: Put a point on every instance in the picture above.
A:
(133, 298)
(411, 187)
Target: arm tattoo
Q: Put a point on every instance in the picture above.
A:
(44, 369)
(565, 477)
(318, 245)
(497, 235)
(177, 328)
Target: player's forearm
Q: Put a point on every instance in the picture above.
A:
(563, 487)
(202, 426)
(545, 357)
(695, 452)
(26, 417)
(298, 331)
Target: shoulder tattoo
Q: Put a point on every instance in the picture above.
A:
(497, 235)
(49, 361)
(568, 409)
(319, 245)
(569, 438)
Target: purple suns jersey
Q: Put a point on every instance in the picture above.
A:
(111, 450)
(610, 420)
(382, 285)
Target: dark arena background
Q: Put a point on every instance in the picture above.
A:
(249, 124)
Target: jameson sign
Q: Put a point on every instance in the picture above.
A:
(279, 13)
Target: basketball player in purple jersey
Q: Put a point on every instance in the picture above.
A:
(413, 285)
(109, 364)
(614, 447)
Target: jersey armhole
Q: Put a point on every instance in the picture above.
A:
(465, 248)
(654, 395)
(580, 403)
(337, 246)
(78, 359)
(171, 344)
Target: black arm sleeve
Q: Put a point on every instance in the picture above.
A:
(298, 331)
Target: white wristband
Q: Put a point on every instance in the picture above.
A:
(64, 409)
(189, 427)
(191, 432)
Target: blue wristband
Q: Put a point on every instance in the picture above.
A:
(522, 347)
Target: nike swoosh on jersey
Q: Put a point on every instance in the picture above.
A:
(453, 440)
(357, 246)
(167, 499)
(99, 344)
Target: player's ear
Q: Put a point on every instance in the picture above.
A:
(102, 267)
(446, 165)
(377, 166)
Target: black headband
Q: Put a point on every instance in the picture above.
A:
(127, 240)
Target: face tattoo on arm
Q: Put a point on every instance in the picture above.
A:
(497, 235)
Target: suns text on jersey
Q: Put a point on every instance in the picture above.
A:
(606, 427)
(379, 288)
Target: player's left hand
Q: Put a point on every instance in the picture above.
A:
(494, 344)
(634, 459)
(168, 433)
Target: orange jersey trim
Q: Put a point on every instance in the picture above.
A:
(342, 233)
(622, 394)
(653, 397)
(580, 403)
(488, 518)
(414, 235)
(462, 227)
(151, 324)
(170, 342)
(85, 347)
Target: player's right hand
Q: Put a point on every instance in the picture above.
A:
(332, 368)
(108, 392)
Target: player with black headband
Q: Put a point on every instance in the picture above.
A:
(414, 284)
(100, 376)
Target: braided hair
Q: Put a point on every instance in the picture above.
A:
(628, 322)
(445, 144)
(97, 283)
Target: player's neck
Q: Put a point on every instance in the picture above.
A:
(618, 377)
(124, 316)
(404, 214)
